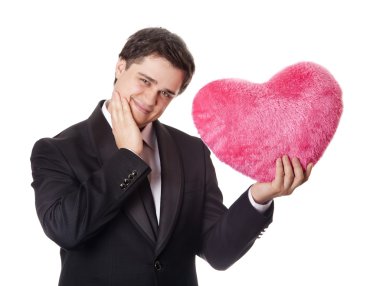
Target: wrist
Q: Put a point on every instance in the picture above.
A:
(139, 154)
(258, 195)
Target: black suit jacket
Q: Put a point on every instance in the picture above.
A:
(89, 201)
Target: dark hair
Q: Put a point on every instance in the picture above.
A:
(163, 43)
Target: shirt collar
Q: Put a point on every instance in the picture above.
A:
(147, 133)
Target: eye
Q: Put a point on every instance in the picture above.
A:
(145, 81)
(166, 94)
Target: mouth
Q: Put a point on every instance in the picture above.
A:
(141, 107)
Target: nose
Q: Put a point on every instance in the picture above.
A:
(150, 96)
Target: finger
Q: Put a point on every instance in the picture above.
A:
(115, 93)
(115, 96)
(308, 171)
(111, 102)
(299, 175)
(289, 174)
(127, 112)
(279, 177)
(116, 108)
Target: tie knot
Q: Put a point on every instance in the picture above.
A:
(147, 154)
(146, 145)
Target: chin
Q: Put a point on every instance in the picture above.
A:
(142, 123)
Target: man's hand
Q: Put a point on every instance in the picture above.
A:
(289, 176)
(125, 130)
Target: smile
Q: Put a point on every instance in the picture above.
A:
(141, 107)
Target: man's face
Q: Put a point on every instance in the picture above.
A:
(149, 86)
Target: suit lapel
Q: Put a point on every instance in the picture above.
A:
(103, 141)
(137, 212)
(171, 184)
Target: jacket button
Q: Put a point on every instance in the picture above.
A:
(134, 173)
(157, 265)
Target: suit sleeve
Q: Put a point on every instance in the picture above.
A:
(228, 234)
(70, 211)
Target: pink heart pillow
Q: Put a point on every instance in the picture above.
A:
(249, 125)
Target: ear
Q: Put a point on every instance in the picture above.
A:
(120, 67)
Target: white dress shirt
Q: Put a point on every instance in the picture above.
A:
(151, 156)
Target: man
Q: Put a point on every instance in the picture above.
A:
(131, 201)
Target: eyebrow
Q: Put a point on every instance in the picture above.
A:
(155, 82)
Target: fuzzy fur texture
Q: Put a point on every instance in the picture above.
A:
(249, 125)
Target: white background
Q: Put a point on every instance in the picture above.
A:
(57, 61)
